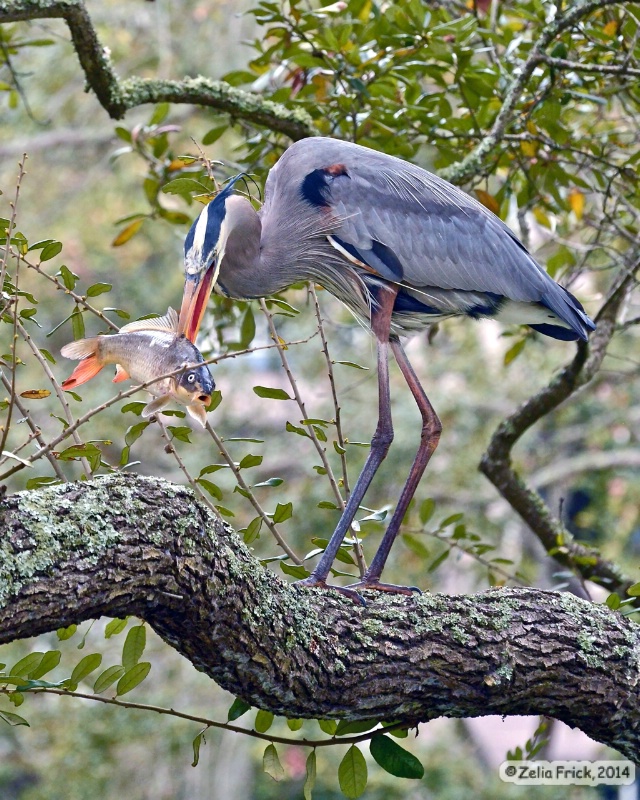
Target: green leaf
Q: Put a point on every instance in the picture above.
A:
(295, 570)
(237, 709)
(135, 432)
(269, 482)
(160, 113)
(106, 678)
(450, 520)
(185, 186)
(50, 660)
(114, 627)
(395, 759)
(427, 507)
(132, 678)
(514, 351)
(134, 646)
(68, 278)
(439, 560)
(77, 324)
(252, 531)
(25, 665)
(196, 748)
(13, 719)
(271, 763)
(127, 233)
(634, 590)
(66, 633)
(350, 364)
(352, 773)
(264, 720)
(271, 394)
(613, 601)
(283, 512)
(180, 432)
(328, 726)
(346, 727)
(247, 328)
(214, 491)
(294, 724)
(310, 779)
(50, 251)
(98, 288)
(85, 667)
(250, 461)
(214, 134)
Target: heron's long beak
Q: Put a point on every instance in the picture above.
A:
(197, 289)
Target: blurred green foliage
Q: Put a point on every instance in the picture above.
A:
(103, 209)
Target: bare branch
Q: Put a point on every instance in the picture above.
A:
(118, 96)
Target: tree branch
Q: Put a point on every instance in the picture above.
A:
(118, 96)
(496, 461)
(130, 545)
(471, 163)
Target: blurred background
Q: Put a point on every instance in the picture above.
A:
(91, 183)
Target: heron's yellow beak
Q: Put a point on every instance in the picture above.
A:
(197, 289)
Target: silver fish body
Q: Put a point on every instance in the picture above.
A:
(150, 352)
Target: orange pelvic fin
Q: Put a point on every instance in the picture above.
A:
(121, 374)
(86, 369)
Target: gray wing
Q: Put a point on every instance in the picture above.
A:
(415, 228)
(441, 237)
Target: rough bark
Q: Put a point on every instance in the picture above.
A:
(129, 545)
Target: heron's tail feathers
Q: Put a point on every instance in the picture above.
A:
(570, 311)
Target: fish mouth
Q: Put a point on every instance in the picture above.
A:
(205, 399)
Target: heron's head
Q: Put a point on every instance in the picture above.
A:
(203, 253)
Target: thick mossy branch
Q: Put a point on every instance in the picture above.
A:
(118, 96)
(128, 545)
(497, 465)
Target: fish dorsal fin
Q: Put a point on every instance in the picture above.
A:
(167, 323)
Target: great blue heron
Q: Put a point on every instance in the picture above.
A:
(401, 248)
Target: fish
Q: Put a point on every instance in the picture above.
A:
(142, 351)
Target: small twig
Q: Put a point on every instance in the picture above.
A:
(80, 299)
(251, 497)
(14, 302)
(170, 448)
(211, 723)
(56, 386)
(357, 547)
(322, 452)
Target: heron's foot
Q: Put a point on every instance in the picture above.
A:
(321, 583)
(391, 588)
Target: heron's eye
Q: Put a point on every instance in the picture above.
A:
(191, 377)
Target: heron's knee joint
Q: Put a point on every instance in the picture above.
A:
(382, 440)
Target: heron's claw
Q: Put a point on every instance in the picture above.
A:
(319, 583)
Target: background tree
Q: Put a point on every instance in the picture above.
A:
(532, 107)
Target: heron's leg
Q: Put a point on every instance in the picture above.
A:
(382, 438)
(429, 438)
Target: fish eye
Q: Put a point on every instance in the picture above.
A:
(191, 377)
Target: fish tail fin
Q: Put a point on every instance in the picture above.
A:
(81, 348)
(89, 366)
(86, 369)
